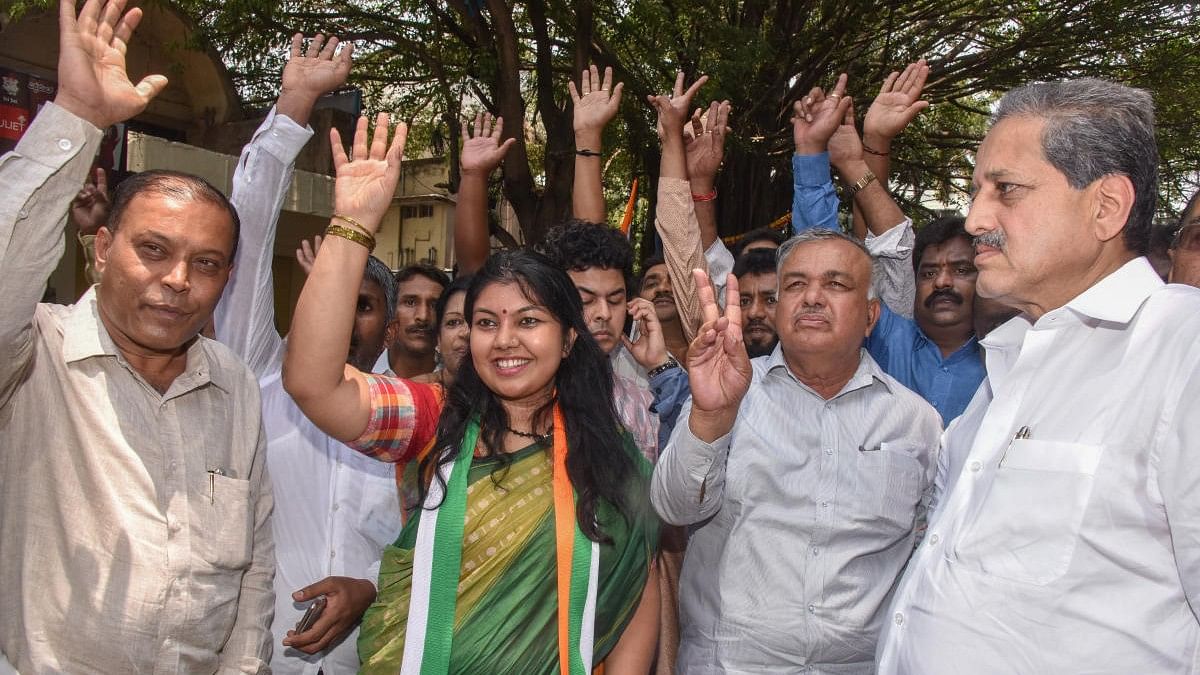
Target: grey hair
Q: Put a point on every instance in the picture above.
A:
(821, 234)
(379, 273)
(1094, 128)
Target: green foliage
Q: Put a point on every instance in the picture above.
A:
(438, 61)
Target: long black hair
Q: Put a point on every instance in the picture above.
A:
(598, 465)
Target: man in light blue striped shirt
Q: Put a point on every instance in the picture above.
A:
(807, 475)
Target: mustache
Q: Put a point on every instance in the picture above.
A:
(996, 239)
(757, 323)
(948, 293)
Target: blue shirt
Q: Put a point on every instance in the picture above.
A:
(905, 353)
(670, 388)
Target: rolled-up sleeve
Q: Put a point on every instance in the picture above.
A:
(895, 279)
(689, 479)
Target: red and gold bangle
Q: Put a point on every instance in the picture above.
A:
(705, 197)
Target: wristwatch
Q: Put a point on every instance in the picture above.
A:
(658, 370)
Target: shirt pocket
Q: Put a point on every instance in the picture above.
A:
(888, 485)
(228, 524)
(1028, 524)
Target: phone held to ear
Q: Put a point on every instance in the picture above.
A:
(311, 614)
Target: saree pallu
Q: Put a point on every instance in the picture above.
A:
(505, 618)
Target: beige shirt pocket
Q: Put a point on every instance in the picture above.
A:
(227, 527)
(1028, 525)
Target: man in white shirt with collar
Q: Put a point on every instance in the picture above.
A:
(1067, 533)
(335, 509)
(806, 474)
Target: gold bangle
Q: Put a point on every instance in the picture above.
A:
(353, 235)
(362, 228)
(867, 179)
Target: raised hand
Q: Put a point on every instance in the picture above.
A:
(673, 108)
(92, 81)
(718, 367)
(365, 183)
(306, 255)
(650, 349)
(595, 101)
(897, 104)
(845, 147)
(90, 207)
(482, 150)
(816, 116)
(314, 72)
(704, 142)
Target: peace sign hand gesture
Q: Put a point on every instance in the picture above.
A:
(719, 369)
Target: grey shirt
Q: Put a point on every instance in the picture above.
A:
(134, 525)
(806, 513)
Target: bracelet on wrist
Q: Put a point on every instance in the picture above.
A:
(584, 152)
(353, 223)
(867, 179)
(361, 238)
(707, 197)
(659, 370)
(868, 149)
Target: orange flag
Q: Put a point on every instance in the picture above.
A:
(630, 207)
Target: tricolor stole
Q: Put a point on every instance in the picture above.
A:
(437, 566)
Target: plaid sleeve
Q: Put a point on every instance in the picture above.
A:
(404, 416)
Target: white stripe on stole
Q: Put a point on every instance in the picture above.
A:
(587, 627)
(418, 601)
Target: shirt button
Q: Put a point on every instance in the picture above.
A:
(23, 213)
(812, 609)
(336, 507)
(899, 619)
(829, 406)
(332, 554)
(829, 451)
(816, 551)
(976, 465)
(934, 539)
(64, 144)
(824, 505)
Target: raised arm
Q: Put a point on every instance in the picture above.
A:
(482, 152)
(245, 317)
(704, 143)
(675, 216)
(816, 117)
(896, 106)
(52, 160)
(689, 478)
(595, 103)
(335, 396)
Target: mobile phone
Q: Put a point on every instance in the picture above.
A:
(311, 614)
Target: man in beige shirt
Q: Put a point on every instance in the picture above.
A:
(134, 503)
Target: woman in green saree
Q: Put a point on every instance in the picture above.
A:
(534, 539)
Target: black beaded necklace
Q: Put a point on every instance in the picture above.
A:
(541, 438)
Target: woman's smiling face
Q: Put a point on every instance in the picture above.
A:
(516, 343)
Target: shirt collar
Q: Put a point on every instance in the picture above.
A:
(867, 372)
(84, 336)
(1117, 297)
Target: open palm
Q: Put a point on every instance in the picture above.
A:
(92, 79)
(365, 184)
(318, 71)
(595, 102)
(705, 143)
(898, 102)
(483, 150)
